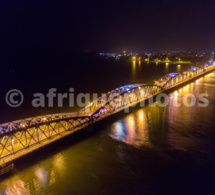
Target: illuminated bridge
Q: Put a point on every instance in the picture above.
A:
(23, 136)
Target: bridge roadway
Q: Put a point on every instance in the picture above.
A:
(18, 138)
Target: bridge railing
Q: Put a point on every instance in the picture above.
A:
(172, 79)
(25, 137)
(101, 101)
(22, 134)
(126, 99)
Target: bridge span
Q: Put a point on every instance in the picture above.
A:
(21, 137)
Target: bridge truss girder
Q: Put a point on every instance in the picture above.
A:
(125, 99)
(24, 138)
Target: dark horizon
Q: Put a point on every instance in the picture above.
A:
(95, 26)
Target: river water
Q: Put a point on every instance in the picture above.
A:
(151, 150)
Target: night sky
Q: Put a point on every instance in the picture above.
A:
(32, 26)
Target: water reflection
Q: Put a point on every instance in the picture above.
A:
(132, 130)
(178, 68)
(42, 177)
(16, 187)
(39, 179)
(166, 67)
(133, 68)
(162, 131)
(156, 126)
(118, 130)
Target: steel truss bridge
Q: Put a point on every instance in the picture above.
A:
(20, 137)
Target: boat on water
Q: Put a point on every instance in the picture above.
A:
(5, 168)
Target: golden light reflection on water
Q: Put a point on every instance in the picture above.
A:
(16, 187)
(139, 129)
(37, 180)
(176, 94)
(183, 119)
(186, 88)
(42, 177)
(166, 67)
(171, 128)
(132, 130)
(59, 163)
(141, 116)
(133, 69)
(178, 68)
(130, 126)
